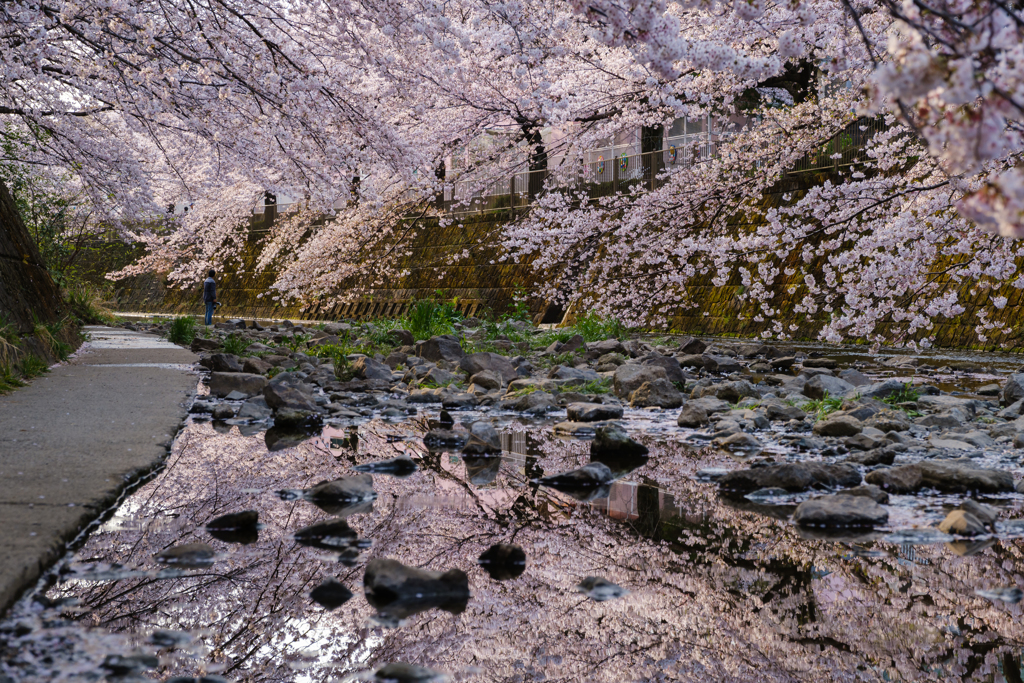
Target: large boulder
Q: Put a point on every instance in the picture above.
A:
(592, 412)
(1013, 390)
(444, 348)
(483, 439)
(797, 476)
(840, 511)
(487, 361)
(256, 366)
(223, 383)
(600, 348)
(629, 377)
(838, 425)
(946, 476)
(612, 439)
(285, 396)
(397, 591)
(882, 390)
(658, 393)
(368, 368)
(673, 371)
(692, 416)
(691, 346)
(820, 386)
(721, 364)
(734, 392)
(225, 362)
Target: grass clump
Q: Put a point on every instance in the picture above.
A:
(908, 394)
(33, 366)
(429, 318)
(820, 408)
(235, 344)
(86, 304)
(182, 330)
(594, 327)
(595, 386)
(9, 379)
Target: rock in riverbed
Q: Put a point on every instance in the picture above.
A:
(840, 512)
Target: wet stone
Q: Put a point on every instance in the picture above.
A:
(332, 534)
(400, 466)
(483, 439)
(398, 592)
(503, 561)
(237, 527)
(692, 416)
(838, 425)
(792, 477)
(613, 439)
(400, 672)
(187, 556)
(331, 594)
(600, 589)
(961, 523)
(592, 412)
(840, 511)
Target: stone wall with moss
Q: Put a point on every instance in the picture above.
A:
(479, 283)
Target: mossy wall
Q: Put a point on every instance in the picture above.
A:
(478, 283)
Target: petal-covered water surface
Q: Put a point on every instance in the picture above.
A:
(712, 588)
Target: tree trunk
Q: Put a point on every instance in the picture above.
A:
(538, 158)
(651, 141)
(27, 292)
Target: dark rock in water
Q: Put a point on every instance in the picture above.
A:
(444, 421)
(444, 438)
(826, 363)
(792, 477)
(968, 548)
(298, 420)
(587, 483)
(481, 470)
(612, 439)
(600, 589)
(483, 439)
(401, 466)
(223, 412)
(398, 592)
(237, 527)
(281, 396)
(331, 534)
(122, 666)
(947, 476)
(673, 371)
(349, 557)
(225, 362)
(692, 416)
(279, 438)
(961, 523)
(332, 593)
(783, 412)
(821, 385)
(503, 561)
(620, 463)
(740, 441)
(592, 412)
(208, 678)
(337, 496)
(1009, 594)
(838, 425)
(873, 492)
(629, 377)
(400, 672)
(841, 512)
(985, 513)
(187, 556)
(167, 640)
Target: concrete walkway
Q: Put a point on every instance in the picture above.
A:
(74, 438)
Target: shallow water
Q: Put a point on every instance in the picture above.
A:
(718, 589)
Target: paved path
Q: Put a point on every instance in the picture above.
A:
(74, 438)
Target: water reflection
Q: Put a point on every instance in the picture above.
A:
(718, 589)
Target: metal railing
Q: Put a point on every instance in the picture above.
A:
(602, 177)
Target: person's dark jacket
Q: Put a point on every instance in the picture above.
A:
(209, 290)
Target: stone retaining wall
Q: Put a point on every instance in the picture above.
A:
(479, 284)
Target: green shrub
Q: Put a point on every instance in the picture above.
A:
(822, 407)
(429, 318)
(297, 341)
(32, 366)
(908, 394)
(235, 344)
(86, 304)
(8, 379)
(594, 327)
(182, 330)
(594, 386)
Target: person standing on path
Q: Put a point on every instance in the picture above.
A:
(209, 295)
